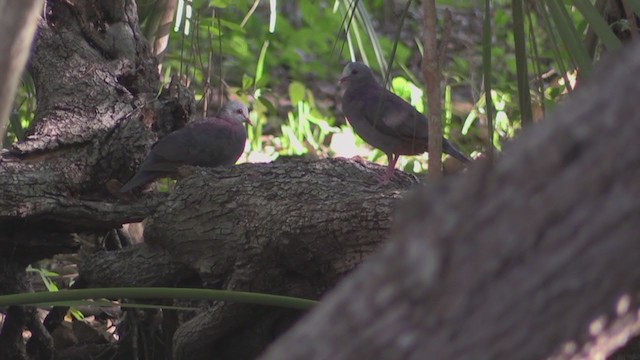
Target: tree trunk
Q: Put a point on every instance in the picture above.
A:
(95, 80)
(504, 262)
(534, 257)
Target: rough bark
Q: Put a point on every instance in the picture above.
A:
(95, 79)
(511, 261)
(292, 227)
(53, 182)
(139, 266)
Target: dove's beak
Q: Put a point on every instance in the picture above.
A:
(248, 121)
(343, 79)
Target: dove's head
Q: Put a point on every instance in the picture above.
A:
(356, 72)
(235, 110)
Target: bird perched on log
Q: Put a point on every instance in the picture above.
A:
(384, 120)
(209, 142)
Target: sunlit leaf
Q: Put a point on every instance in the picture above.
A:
(272, 16)
(232, 26)
(247, 82)
(220, 3)
(296, 92)
(261, 58)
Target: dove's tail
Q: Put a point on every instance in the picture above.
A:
(448, 148)
(141, 178)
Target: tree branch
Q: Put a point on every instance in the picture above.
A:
(291, 227)
(431, 74)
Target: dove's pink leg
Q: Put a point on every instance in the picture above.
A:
(391, 167)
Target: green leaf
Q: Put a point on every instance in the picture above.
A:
(295, 143)
(263, 81)
(570, 36)
(296, 92)
(598, 24)
(77, 314)
(231, 25)
(267, 104)
(247, 82)
(220, 3)
(238, 45)
(260, 66)
(522, 74)
(157, 293)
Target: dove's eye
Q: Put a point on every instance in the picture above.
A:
(353, 72)
(239, 111)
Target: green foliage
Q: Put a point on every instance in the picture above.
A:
(307, 129)
(409, 92)
(504, 128)
(282, 57)
(46, 277)
(25, 108)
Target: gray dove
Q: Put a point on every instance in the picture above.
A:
(384, 120)
(209, 142)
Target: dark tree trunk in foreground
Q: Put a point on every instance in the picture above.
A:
(503, 262)
(510, 262)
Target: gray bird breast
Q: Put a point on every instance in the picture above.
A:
(375, 133)
(217, 144)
